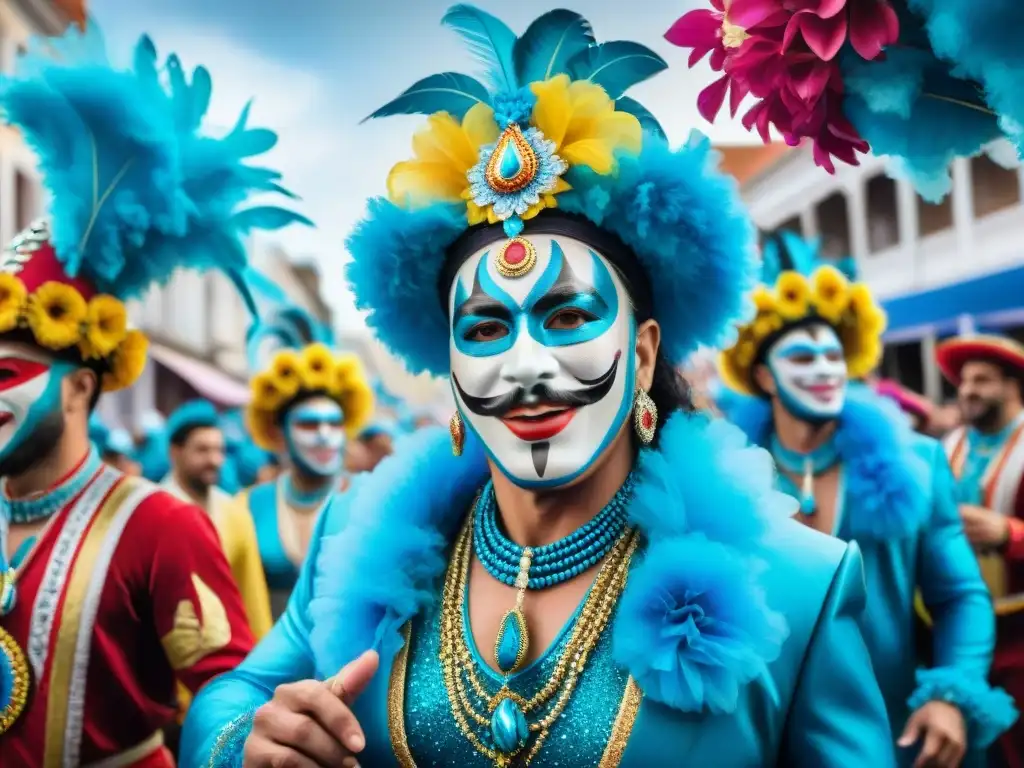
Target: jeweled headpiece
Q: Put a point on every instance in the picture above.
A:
(922, 80)
(799, 287)
(291, 357)
(551, 129)
(138, 189)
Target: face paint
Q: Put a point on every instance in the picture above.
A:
(542, 363)
(315, 436)
(29, 391)
(809, 369)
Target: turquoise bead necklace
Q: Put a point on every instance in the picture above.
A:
(306, 499)
(807, 466)
(541, 567)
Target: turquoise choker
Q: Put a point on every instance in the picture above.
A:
(541, 567)
(306, 499)
(807, 466)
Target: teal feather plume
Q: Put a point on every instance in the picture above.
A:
(138, 190)
(445, 92)
(548, 45)
(288, 326)
(616, 66)
(647, 120)
(786, 251)
(489, 40)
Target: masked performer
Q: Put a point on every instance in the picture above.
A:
(306, 400)
(111, 588)
(987, 457)
(492, 584)
(197, 455)
(862, 474)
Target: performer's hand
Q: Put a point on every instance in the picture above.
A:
(941, 730)
(309, 724)
(984, 528)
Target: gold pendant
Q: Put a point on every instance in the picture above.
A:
(513, 164)
(14, 681)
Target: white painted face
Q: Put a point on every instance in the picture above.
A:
(315, 435)
(809, 369)
(543, 363)
(29, 390)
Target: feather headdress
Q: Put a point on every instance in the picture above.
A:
(799, 285)
(291, 356)
(138, 190)
(548, 126)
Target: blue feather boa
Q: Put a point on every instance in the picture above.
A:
(693, 625)
(883, 472)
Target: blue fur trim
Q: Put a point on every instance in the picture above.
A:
(193, 413)
(137, 188)
(883, 472)
(682, 218)
(397, 522)
(987, 711)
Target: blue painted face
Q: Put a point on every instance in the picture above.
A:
(543, 364)
(30, 390)
(315, 436)
(809, 370)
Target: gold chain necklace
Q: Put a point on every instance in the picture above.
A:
(507, 706)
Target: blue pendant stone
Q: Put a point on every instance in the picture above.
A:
(510, 649)
(807, 505)
(511, 164)
(508, 727)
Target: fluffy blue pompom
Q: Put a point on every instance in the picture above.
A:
(694, 626)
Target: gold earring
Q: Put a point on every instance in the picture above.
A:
(458, 433)
(645, 416)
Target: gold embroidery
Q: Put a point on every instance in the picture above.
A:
(63, 656)
(191, 638)
(623, 725)
(396, 703)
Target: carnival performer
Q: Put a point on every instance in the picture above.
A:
(197, 455)
(923, 81)
(861, 474)
(306, 401)
(987, 457)
(111, 587)
(485, 572)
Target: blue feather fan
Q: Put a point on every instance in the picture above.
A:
(559, 42)
(137, 189)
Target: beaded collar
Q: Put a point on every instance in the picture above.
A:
(47, 503)
(299, 499)
(806, 466)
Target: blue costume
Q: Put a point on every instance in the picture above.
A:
(895, 498)
(707, 650)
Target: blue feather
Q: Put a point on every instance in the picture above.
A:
(137, 190)
(616, 66)
(446, 92)
(490, 41)
(269, 218)
(647, 120)
(548, 45)
(288, 326)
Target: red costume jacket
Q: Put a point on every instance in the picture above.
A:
(126, 591)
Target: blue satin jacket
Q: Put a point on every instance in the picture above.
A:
(779, 674)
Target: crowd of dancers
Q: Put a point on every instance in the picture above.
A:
(591, 565)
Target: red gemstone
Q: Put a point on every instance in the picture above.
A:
(647, 419)
(515, 253)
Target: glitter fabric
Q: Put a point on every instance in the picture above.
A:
(578, 738)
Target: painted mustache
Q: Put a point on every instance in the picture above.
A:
(591, 390)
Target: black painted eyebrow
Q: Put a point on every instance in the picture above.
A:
(481, 305)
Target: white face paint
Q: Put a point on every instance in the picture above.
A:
(542, 364)
(315, 435)
(29, 390)
(809, 369)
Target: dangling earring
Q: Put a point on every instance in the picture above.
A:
(645, 416)
(458, 432)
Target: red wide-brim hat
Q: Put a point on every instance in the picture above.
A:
(953, 354)
(908, 400)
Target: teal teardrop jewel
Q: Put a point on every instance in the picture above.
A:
(509, 730)
(512, 643)
(511, 163)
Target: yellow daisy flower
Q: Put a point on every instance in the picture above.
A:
(266, 396)
(286, 370)
(127, 363)
(831, 293)
(12, 301)
(106, 325)
(56, 312)
(792, 295)
(317, 368)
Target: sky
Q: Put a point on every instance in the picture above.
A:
(315, 73)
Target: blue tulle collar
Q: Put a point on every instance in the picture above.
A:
(886, 479)
(673, 632)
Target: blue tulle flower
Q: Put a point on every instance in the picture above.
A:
(694, 626)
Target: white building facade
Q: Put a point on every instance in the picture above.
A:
(938, 269)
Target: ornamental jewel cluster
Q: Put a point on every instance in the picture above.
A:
(786, 53)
